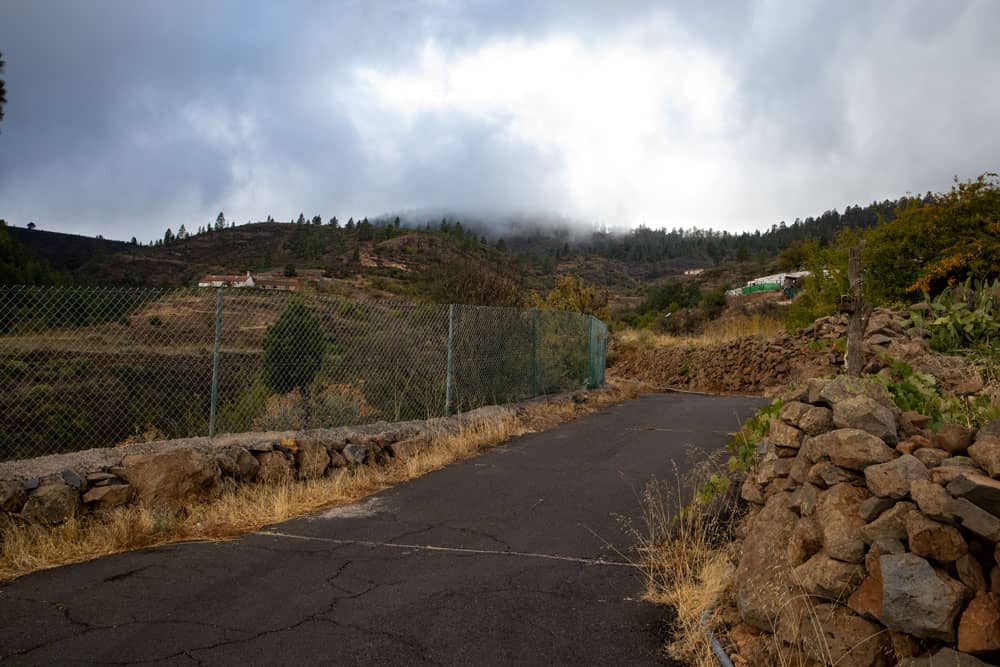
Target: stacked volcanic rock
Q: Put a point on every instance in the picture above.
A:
(872, 541)
(766, 365)
(181, 475)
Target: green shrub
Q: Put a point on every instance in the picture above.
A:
(294, 347)
(961, 317)
(743, 446)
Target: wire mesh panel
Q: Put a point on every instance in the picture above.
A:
(87, 367)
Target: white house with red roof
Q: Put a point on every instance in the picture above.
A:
(226, 281)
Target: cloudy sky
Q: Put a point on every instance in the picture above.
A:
(127, 116)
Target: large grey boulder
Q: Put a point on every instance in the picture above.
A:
(893, 478)
(843, 388)
(172, 479)
(981, 490)
(866, 414)
(51, 503)
(919, 600)
(975, 519)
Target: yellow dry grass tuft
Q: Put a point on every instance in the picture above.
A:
(718, 331)
(245, 508)
(685, 552)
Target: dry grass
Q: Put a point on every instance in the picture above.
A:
(245, 508)
(686, 553)
(718, 331)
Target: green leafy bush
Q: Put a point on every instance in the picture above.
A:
(293, 349)
(743, 445)
(962, 316)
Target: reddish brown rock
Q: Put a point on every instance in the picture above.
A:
(932, 500)
(979, 628)
(889, 525)
(840, 524)
(855, 449)
(804, 541)
(934, 540)
(783, 435)
(970, 573)
(832, 634)
(931, 456)
(953, 438)
(763, 584)
(50, 504)
(311, 459)
(892, 479)
(866, 600)
(101, 498)
(792, 411)
(172, 479)
(828, 578)
(816, 420)
(772, 469)
(866, 414)
(986, 454)
(275, 468)
(825, 474)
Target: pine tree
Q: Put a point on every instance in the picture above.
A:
(168, 237)
(334, 223)
(301, 220)
(220, 222)
(182, 233)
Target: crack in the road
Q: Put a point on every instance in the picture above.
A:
(455, 550)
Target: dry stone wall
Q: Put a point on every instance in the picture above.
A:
(170, 474)
(872, 541)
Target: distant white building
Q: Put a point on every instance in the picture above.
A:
(227, 281)
(694, 272)
(774, 282)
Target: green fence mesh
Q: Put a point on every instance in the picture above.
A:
(94, 367)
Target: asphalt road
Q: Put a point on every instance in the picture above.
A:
(513, 557)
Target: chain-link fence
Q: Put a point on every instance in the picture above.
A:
(94, 367)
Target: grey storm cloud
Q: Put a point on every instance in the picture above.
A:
(126, 117)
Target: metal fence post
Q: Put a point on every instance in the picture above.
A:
(448, 378)
(534, 352)
(590, 352)
(215, 365)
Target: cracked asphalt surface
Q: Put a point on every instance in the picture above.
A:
(512, 557)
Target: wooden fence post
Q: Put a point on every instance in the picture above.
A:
(855, 360)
